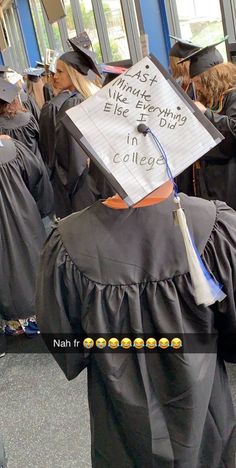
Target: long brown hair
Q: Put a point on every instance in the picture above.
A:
(9, 110)
(213, 84)
(180, 70)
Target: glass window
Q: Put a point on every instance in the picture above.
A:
(201, 22)
(90, 26)
(69, 19)
(57, 36)
(36, 9)
(116, 30)
(18, 57)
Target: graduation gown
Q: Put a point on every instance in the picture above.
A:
(69, 168)
(23, 127)
(47, 126)
(30, 104)
(26, 196)
(107, 271)
(213, 176)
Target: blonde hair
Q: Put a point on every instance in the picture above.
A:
(36, 91)
(213, 84)
(180, 70)
(82, 84)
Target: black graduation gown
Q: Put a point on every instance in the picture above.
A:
(69, 168)
(214, 176)
(23, 127)
(48, 92)
(98, 184)
(30, 104)
(26, 196)
(47, 126)
(106, 271)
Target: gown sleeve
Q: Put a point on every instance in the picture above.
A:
(76, 160)
(226, 124)
(47, 125)
(58, 305)
(36, 180)
(220, 255)
(32, 107)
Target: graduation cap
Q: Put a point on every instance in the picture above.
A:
(141, 131)
(82, 40)
(55, 57)
(8, 91)
(182, 48)
(14, 77)
(39, 64)
(80, 58)
(204, 58)
(34, 73)
(4, 69)
(111, 72)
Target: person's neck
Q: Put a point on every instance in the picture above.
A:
(157, 196)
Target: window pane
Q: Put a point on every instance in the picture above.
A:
(116, 30)
(57, 36)
(90, 26)
(69, 19)
(201, 22)
(19, 58)
(36, 10)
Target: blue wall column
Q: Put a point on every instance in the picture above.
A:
(28, 31)
(156, 26)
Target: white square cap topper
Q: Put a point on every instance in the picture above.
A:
(106, 126)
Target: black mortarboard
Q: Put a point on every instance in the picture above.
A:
(182, 48)
(80, 58)
(8, 91)
(34, 73)
(204, 58)
(111, 72)
(82, 40)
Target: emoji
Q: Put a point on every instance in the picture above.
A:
(151, 343)
(88, 343)
(126, 343)
(113, 343)
(101, 343)
(164, 343)
(138, 343)
(176, 343)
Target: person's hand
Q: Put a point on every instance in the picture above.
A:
(200, 106)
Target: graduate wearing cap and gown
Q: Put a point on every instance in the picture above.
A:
(15, 121)
(26, 100)
(69, 164)
(47, 126)
(47, 121)
(213, 177)
(180, 71)
(34, 85)
(26, 197)
(117, 271)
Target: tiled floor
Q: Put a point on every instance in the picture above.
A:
(44, 418)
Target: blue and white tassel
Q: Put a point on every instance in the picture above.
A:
(206, 289)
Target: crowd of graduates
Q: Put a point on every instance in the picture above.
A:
(92, 280)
